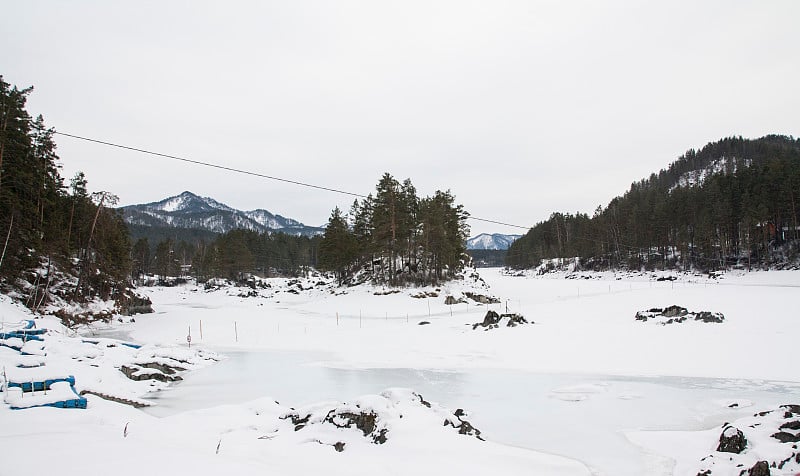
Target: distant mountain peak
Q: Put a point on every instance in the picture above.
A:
(495, 241)
(188, 210)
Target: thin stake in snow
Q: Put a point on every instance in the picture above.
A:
(337, 318)
(125, 430)
(236, 330)
(218, 443)
(189, 337)
(201, 329)
(8, 236)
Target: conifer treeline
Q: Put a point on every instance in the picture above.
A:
(41, 217)
(235, 255)
(745, 214)
(396, 236)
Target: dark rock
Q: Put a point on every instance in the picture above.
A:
(706, 316)
(492, 320)
(423, 323)
(513, 319)
(730, 442)
(131, 303)
(364, 421)
(298, 421)
(786, 437)
(464, 427)
(339, 446)
(489, 319)
(793, 409)
(482, 299)
(759, 469)
(169, 370)
(134, 372)
(791, 425)
(674, 311)
(422, 401)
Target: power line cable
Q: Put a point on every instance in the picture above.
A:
(209, 164)
(249, 172)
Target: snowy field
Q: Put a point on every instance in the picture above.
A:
(275, 374)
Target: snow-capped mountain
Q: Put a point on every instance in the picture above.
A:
(495, 241)
(188, 210)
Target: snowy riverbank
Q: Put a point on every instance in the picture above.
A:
(575, 382)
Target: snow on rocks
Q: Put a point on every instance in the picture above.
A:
(677, 314)
(764, 444)
(732, 440)
(481, 298)
(493, 320)
(165, 364)
(90, 364)
(375, 417)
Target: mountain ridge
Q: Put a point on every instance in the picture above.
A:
(494, 241)
(189, 210)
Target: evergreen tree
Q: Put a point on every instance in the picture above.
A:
(338, 248)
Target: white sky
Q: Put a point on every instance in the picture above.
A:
(520, 108)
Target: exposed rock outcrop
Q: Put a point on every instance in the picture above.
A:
(677, 314)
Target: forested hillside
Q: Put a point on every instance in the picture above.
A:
(732, 203)
(397, 237)
(47, 225)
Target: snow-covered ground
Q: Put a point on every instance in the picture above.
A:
(584, 389)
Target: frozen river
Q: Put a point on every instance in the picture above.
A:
(579, 416)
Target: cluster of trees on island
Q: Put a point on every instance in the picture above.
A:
(397, 237)
(743, 214)
(393, 237)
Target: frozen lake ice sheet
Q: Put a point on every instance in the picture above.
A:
(583, 417)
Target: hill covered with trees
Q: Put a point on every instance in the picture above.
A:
(731, 203)
(47, 225)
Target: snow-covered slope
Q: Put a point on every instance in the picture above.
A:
(188, 210)
(726, 165)
(495, 241)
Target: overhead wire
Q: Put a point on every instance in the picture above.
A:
(303, 184)
(249, 172)
(308, 185)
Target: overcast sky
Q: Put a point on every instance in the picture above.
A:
(519, 108)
